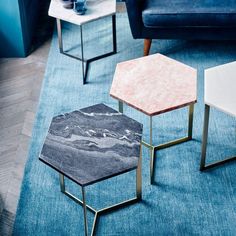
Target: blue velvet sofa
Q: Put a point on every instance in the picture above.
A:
(181, 19)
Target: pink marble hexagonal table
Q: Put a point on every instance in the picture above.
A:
(153, 85)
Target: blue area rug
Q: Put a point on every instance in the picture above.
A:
(183, 201)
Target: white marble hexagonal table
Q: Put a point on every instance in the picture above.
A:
(153, 85)
(96, 9)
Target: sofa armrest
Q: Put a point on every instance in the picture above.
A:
(134, 10)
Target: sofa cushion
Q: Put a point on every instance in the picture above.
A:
(187, 13)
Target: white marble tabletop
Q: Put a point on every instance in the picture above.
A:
(220, 87)
(96, 9)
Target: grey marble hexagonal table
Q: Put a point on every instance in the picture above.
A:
(91, 145)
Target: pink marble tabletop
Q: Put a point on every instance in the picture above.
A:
(154, 84)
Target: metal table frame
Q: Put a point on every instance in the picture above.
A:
(105, 210)
(203, 165)
(154, 148)
(82, 59)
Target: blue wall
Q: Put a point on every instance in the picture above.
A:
(17, 23)
(11, 36)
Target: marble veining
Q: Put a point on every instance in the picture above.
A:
(220, 87)
(154, 84)
(96, 9)
(92, 144)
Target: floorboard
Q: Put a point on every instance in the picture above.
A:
(20, 84)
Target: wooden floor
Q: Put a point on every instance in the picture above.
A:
(20, 84)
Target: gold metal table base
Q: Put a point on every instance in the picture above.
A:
(203, 165)
(85, 62)
(105, 210)
(154, 148)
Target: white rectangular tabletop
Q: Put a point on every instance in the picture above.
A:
(220, 87)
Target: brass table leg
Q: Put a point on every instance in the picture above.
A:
(85, 212)
(85, 62)
(120, 107)
(154, 148)
(203, 165)
(97, 213)
(152, 153)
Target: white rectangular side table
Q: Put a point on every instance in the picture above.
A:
(220, 87)
(96, 9)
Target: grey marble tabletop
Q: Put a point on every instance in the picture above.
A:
(92, 144)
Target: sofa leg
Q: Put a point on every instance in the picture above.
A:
(147, 46)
